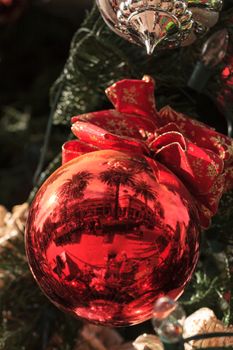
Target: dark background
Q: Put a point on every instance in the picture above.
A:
(34, 45)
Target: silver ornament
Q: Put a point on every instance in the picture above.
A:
(160, 23)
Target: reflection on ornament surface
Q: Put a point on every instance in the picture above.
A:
(110, 232)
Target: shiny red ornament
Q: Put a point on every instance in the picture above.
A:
(108, 233)
(118, 226)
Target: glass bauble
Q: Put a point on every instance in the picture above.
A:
(108, 233)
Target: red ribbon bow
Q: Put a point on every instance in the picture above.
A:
(198, 155)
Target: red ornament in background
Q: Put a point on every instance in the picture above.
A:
(10, 10)
(117, 227)
(226, 95)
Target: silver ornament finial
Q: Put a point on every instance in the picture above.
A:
(160, 23)
(150, 46)
(155, 23)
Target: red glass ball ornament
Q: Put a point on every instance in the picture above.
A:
(108, 233)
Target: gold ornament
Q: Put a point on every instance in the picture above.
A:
(205, 321)
(160, 23)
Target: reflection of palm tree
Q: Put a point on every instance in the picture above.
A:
(117, 177)
(143, 189)
(49, 229)
(75, 187)
(143, 166)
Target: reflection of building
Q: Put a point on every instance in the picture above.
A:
(133, 208)
(96, 216)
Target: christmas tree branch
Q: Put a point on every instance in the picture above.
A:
(99, 57)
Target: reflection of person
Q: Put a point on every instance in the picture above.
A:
(98, 282)
(112, 273)
(60, 265)
(121, 257)
(111, 260)
(91, 226)
(128, 268)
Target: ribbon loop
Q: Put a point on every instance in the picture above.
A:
(198, 155)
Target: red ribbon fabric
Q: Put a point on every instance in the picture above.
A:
(198, 155)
